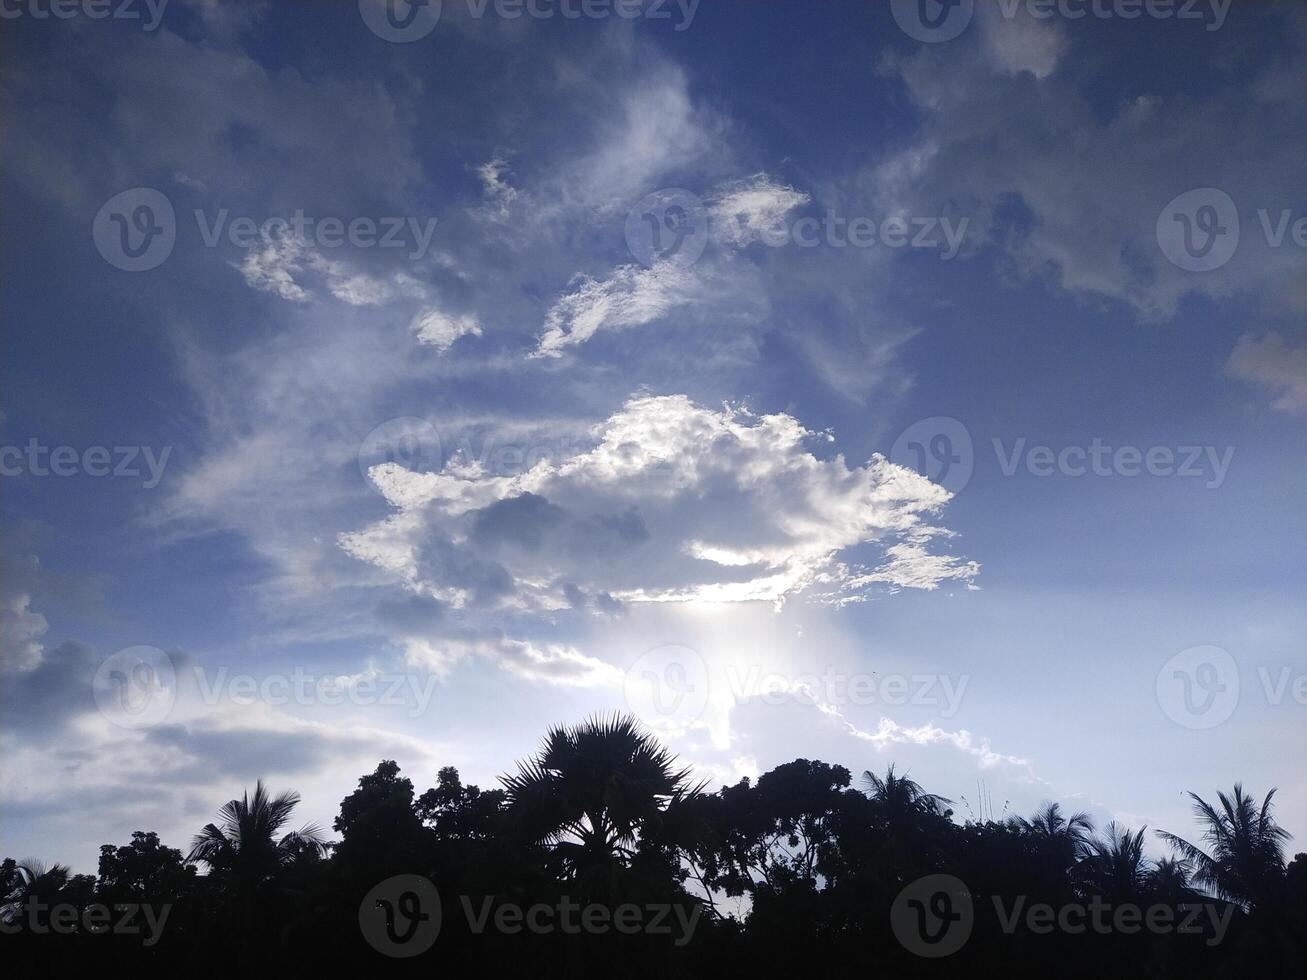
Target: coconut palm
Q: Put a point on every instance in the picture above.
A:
(245, 845)
(593, 790)
(1169, 881)
(1115, 866)
(906, 845)
(244, 852)
(901, 798)
(1244, 859)
(1047, 825)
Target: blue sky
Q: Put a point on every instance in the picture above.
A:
(500, 454)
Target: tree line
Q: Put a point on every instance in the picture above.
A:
(600, 857)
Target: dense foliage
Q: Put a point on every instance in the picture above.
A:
(798, 870)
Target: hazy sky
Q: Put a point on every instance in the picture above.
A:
(812, 380)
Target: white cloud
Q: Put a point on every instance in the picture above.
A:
(752, 208)
(21, 629)
(439, 330)
(658, 129)
(889, 732)
(280, 264)
(1271, 363)
(1073, 193)
(1019, 42)
(500, 195)
(272, 268)
(630, 297)
(675, 503)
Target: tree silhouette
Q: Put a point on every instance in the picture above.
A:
(244, 852)
(798, 869)
(593, 789)
(1244, 860)
(1114, 866)
(902, 799)
(30, 881)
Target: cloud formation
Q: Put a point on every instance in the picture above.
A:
(675, 503)
(1271, 363)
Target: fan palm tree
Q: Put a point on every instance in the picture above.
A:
(593, 790)
(1244, 860)
(28, 881)
(1115, 866)
(246, 854)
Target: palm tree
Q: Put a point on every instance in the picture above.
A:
(31, 880)
(901, 798)
(1067, 834)
(1056, 842)
(593, 790)
(906, 849)
(244, 851)
(1115, 866)
(1244, 860)
(1169, 881)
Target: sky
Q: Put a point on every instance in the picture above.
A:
(869, 382)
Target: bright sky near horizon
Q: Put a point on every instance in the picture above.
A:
(833, 381)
